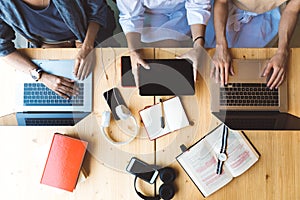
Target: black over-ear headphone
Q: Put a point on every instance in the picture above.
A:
(166, 190)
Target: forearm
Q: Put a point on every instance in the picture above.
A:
(220, 20)
(133, 40)
(198, 30)
(287, 25)
(19, 62)
(91, 34)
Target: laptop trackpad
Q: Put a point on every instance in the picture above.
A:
(248, 70)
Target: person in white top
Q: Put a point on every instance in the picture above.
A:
(267, 11)
(165, 23)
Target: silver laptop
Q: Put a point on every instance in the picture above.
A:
(246, 103)
(247, 90)
(40, 106)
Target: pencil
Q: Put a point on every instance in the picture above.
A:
(162, 118)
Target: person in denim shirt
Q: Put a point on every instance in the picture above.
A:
(55, 23)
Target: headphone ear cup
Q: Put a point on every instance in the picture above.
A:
(166, 191)
(167, 175)
(123, 112)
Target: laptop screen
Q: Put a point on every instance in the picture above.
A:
(50, 118)
(259, 120)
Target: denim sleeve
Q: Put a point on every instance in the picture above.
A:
(7, 35)
(96, 11)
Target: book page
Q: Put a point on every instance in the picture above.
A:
(241, 155)
(152, 121)
(175, 118)
(175, 115)
(200, 164)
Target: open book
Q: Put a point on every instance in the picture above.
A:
(174, 118)
(200, 160)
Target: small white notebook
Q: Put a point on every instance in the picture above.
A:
(174, 116)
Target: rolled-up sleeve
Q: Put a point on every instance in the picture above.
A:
(7, 35)
(198, 11)
(131, 15)
(96, 11)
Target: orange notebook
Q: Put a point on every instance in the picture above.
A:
(64, 162)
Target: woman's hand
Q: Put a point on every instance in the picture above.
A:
(222, 65)
(276, 69)
(136, 62)
(195, 56)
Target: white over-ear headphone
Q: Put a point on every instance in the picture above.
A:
(123, 113)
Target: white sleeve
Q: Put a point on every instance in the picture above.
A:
(198, 11)
(131, 15)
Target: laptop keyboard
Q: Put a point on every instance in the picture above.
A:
(37, 94)
(248, 94)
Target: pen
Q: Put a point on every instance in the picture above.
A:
(162, 118)
(222, 156)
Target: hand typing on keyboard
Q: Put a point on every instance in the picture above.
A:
(222, 65)
(37, 94)
(276, 70)
(64, 87)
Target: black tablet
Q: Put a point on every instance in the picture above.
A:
(166, 77)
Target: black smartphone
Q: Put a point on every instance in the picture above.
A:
(142, 170)
(114, 98)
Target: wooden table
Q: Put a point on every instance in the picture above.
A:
(24, 149)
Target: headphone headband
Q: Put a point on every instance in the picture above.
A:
(105, 124)
(157, 197)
